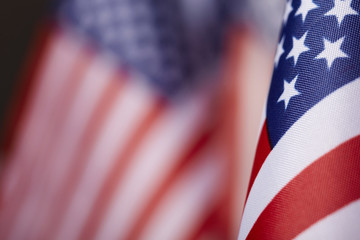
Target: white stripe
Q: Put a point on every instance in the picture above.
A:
(189, 201)
(342, 224)
(96, 79)
(129, 110)
(156, 156)
(328, 124)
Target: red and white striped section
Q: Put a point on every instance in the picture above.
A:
(154, 160)
(56, 80)
(58, 158)
(48, 86)
(346, 219)
(98, 155)
(190, 192)
(311, 172)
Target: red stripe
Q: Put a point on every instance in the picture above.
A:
(111, 182)
(230, 122)
(262, 151)
(327, 185)
(215, 225)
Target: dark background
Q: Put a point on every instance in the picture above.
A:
(19, 21)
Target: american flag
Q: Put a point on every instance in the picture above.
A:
(125, 133)
(305, 182)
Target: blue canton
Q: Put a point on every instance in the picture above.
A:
(151, 36)
(319, 52)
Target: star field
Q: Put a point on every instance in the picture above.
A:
(318, 53)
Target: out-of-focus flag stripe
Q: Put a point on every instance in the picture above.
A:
(36, 181)
(117, 171)
(47, 85)
(66, 192)
(96, 79)
(245, 53)
(320, 124)
(129, 108)
(346, 219)
(53, 85)
(262, 151)
(155, 158)
(43, 170)
(302, 199)
(33, 154)
(61, 158)
(50, 89)
(197, 145)
(192, 189)
(127, 116)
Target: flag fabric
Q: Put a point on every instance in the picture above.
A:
(305, 182)
(126, 131)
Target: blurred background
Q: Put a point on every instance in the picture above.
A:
(105, 139)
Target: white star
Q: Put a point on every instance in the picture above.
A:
(341, 9)
(332, 51)
(289, 92)
(298, 48)
(305, 7)
(288, 10)
(279, 51)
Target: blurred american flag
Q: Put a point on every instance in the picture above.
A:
(104, 148)
(130, 127)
